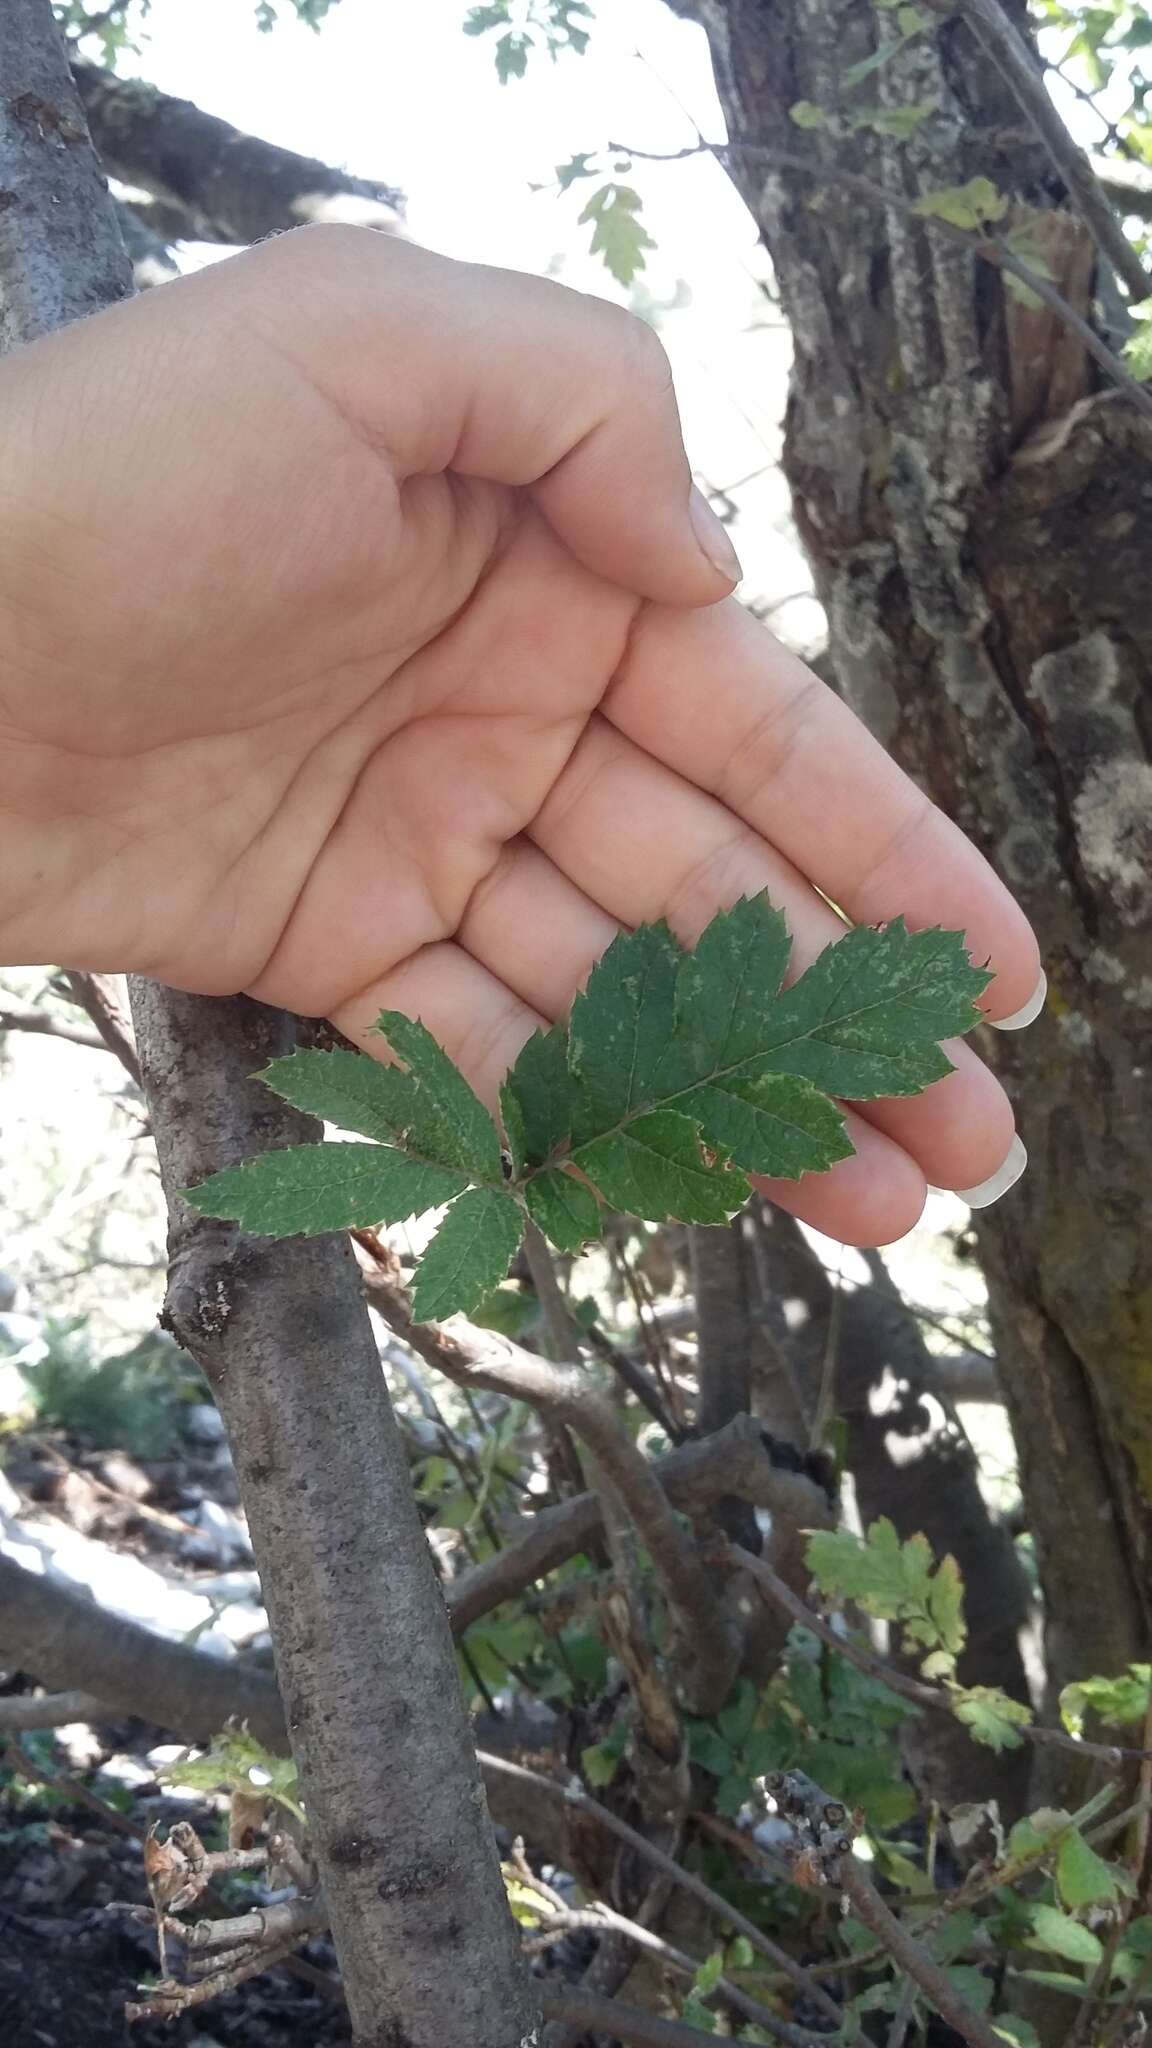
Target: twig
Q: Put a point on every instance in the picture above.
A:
(572, 1793)
(480, 1358)
(49, 1710)
(86, 991)
(595, 2015)
(870, 1909)
(914, 1689)
(168, 1999)
(986, 247)
(563, 1337)
(42, 1023)
(696, 1474)
(992, 27)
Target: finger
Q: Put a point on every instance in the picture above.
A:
(721, 702)
(870, 1199)
(479, 1021)
(535, 930)
(444, 365)
(644, 844)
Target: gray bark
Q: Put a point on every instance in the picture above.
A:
(363, 1648)
(976, 512)
(214, 183)
(427, 1945)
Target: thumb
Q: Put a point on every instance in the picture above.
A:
(514, 379)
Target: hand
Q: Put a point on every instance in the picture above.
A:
(363, 648)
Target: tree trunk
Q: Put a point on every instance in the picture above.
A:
(427, 1945)
(976, 512)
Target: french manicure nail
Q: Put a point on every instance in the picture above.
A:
(712, 535)
(998, 1183)
(1030, 1011)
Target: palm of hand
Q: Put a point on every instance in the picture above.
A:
(364, 731)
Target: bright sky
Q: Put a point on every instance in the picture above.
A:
(399, 93)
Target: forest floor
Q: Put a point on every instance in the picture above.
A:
(71, 1956)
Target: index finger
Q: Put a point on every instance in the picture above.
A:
(714, 696)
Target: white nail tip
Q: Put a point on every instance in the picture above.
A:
(998, 1183)
(1030, 1011)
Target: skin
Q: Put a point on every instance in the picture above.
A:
(360, 651)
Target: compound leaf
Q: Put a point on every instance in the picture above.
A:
(301, 1189)
(469, 1255)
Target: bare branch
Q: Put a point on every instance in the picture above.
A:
(67, 1640)
(43, 1023)
(607, 2016)
(572, 1793)
(49, 1710)
(911, 1957)
(231, 187)
(91, 995)
(481, 1358)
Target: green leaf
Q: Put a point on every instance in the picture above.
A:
(946, 1605)
(469, 1255)
(447, 1122)
(349, 1089)
(1123, 1700)
(1020, 2033)
(770, 1123)
(536, 1099)
(806, 114)
(973, 206)
(510, 1310)
(237, 1762)
(617, 232)
(563, 1208)
(707, 1747)
(990, 1716)
(1082, 1877)
(479, 20)
(867, 1017)
(901, 122)
(738, 1713)
(1062, 1936)
(512, 55)
(653, 1167)
(620, 1025)
(576, 167)
(303, 1189)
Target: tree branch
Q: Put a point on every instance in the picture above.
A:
(68, 1641)
(607, 2016)
(89, 994)
(935, 1697)
(986, 247)
(480, 1358)
(20, 1710)
(42, 1023)
(572, 1793)
(231, 187)
(1012, 57)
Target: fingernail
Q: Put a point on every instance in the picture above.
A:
(712, 535)
(1030, 1011)
(998, 1183)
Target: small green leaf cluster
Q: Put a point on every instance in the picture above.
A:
(557, 24)
(896, 1581)
(819, 1715)
(679, 1074)
(237, 1762)
(1125, 1700)
(902, 1582)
